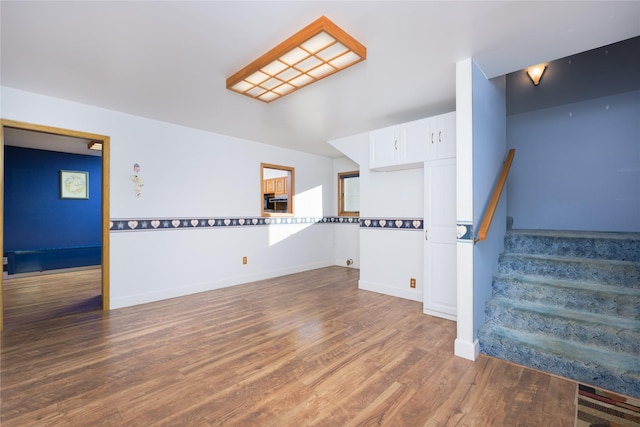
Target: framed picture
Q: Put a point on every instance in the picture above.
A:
(74, 185)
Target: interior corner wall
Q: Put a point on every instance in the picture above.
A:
(388, 257)
(188, 174)
(347, 235)
(489, 152)
(577, 166)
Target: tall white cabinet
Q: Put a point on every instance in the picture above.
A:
(440, 256)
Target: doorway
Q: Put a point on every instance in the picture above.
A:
(104, 220)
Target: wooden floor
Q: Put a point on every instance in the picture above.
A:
(300, 350)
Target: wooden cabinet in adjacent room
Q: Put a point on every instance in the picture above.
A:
(276, 186)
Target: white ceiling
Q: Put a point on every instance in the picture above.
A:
(169, 60)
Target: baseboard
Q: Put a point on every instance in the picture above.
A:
(6, 275)
(440, 314)
(380, 288)
(467, 350)
(194, 288)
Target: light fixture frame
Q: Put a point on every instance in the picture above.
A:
(322, 24)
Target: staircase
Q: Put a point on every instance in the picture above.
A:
(568, 303)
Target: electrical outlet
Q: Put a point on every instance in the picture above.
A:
(412, 282)
(5, 261)
(244, 259)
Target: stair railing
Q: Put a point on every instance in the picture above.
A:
(495, 198)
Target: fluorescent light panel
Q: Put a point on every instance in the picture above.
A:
(95, 145)
(315, 52)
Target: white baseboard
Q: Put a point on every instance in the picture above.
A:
(440, 314)
(380, 288)
(194, 288)
(467, 350)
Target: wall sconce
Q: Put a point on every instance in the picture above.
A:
(535, 73)
(313, 53)
(95, 145)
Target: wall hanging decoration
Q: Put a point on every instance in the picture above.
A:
(74, 185)
(138, 183)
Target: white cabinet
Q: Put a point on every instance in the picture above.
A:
(399, 147)
(440, 255)
(442, 137)
(408, 145)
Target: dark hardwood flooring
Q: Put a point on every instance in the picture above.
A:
(300, 350)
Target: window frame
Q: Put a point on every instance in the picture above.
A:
(341, 179)
(290, 191)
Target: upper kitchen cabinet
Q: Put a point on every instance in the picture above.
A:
(442, 137)
(409, 145)
(400, 146)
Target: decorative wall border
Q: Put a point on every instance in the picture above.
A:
(392, 223)
(153, 224)
(464, 232)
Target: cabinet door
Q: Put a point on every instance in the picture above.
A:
(415, 141)
(270, 186)
(281, 186)
(384, 147)
(446, 135)
(440, 283)
(432, 139)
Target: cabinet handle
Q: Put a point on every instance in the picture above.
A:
(395, 144)
(432, 137)
(440, 136)
(426, 236)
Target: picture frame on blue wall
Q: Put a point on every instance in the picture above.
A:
(74, 184)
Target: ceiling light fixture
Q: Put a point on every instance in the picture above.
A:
(95, 145)
(313, 53)
(535, 73)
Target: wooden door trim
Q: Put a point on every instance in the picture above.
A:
(105, 221)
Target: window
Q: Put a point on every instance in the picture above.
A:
(276, 184)
(349, 193)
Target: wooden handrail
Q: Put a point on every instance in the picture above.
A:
(495, 198)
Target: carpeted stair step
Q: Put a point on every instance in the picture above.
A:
(606, 272)
(570, 294)
(575, 244)
(614, 333)
(619, 372)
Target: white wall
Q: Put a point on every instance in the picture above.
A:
(465, 344)
(190, 173)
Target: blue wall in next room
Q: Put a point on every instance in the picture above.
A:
(35, 217)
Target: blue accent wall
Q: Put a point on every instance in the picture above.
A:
(35, 217)
(489, 153)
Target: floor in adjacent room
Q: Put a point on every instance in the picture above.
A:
(303, 349)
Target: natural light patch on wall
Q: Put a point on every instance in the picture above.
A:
(308, 204)
(278, 233)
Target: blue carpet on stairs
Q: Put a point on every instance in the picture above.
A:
(568, 303)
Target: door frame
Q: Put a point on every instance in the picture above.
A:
(105, 220)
